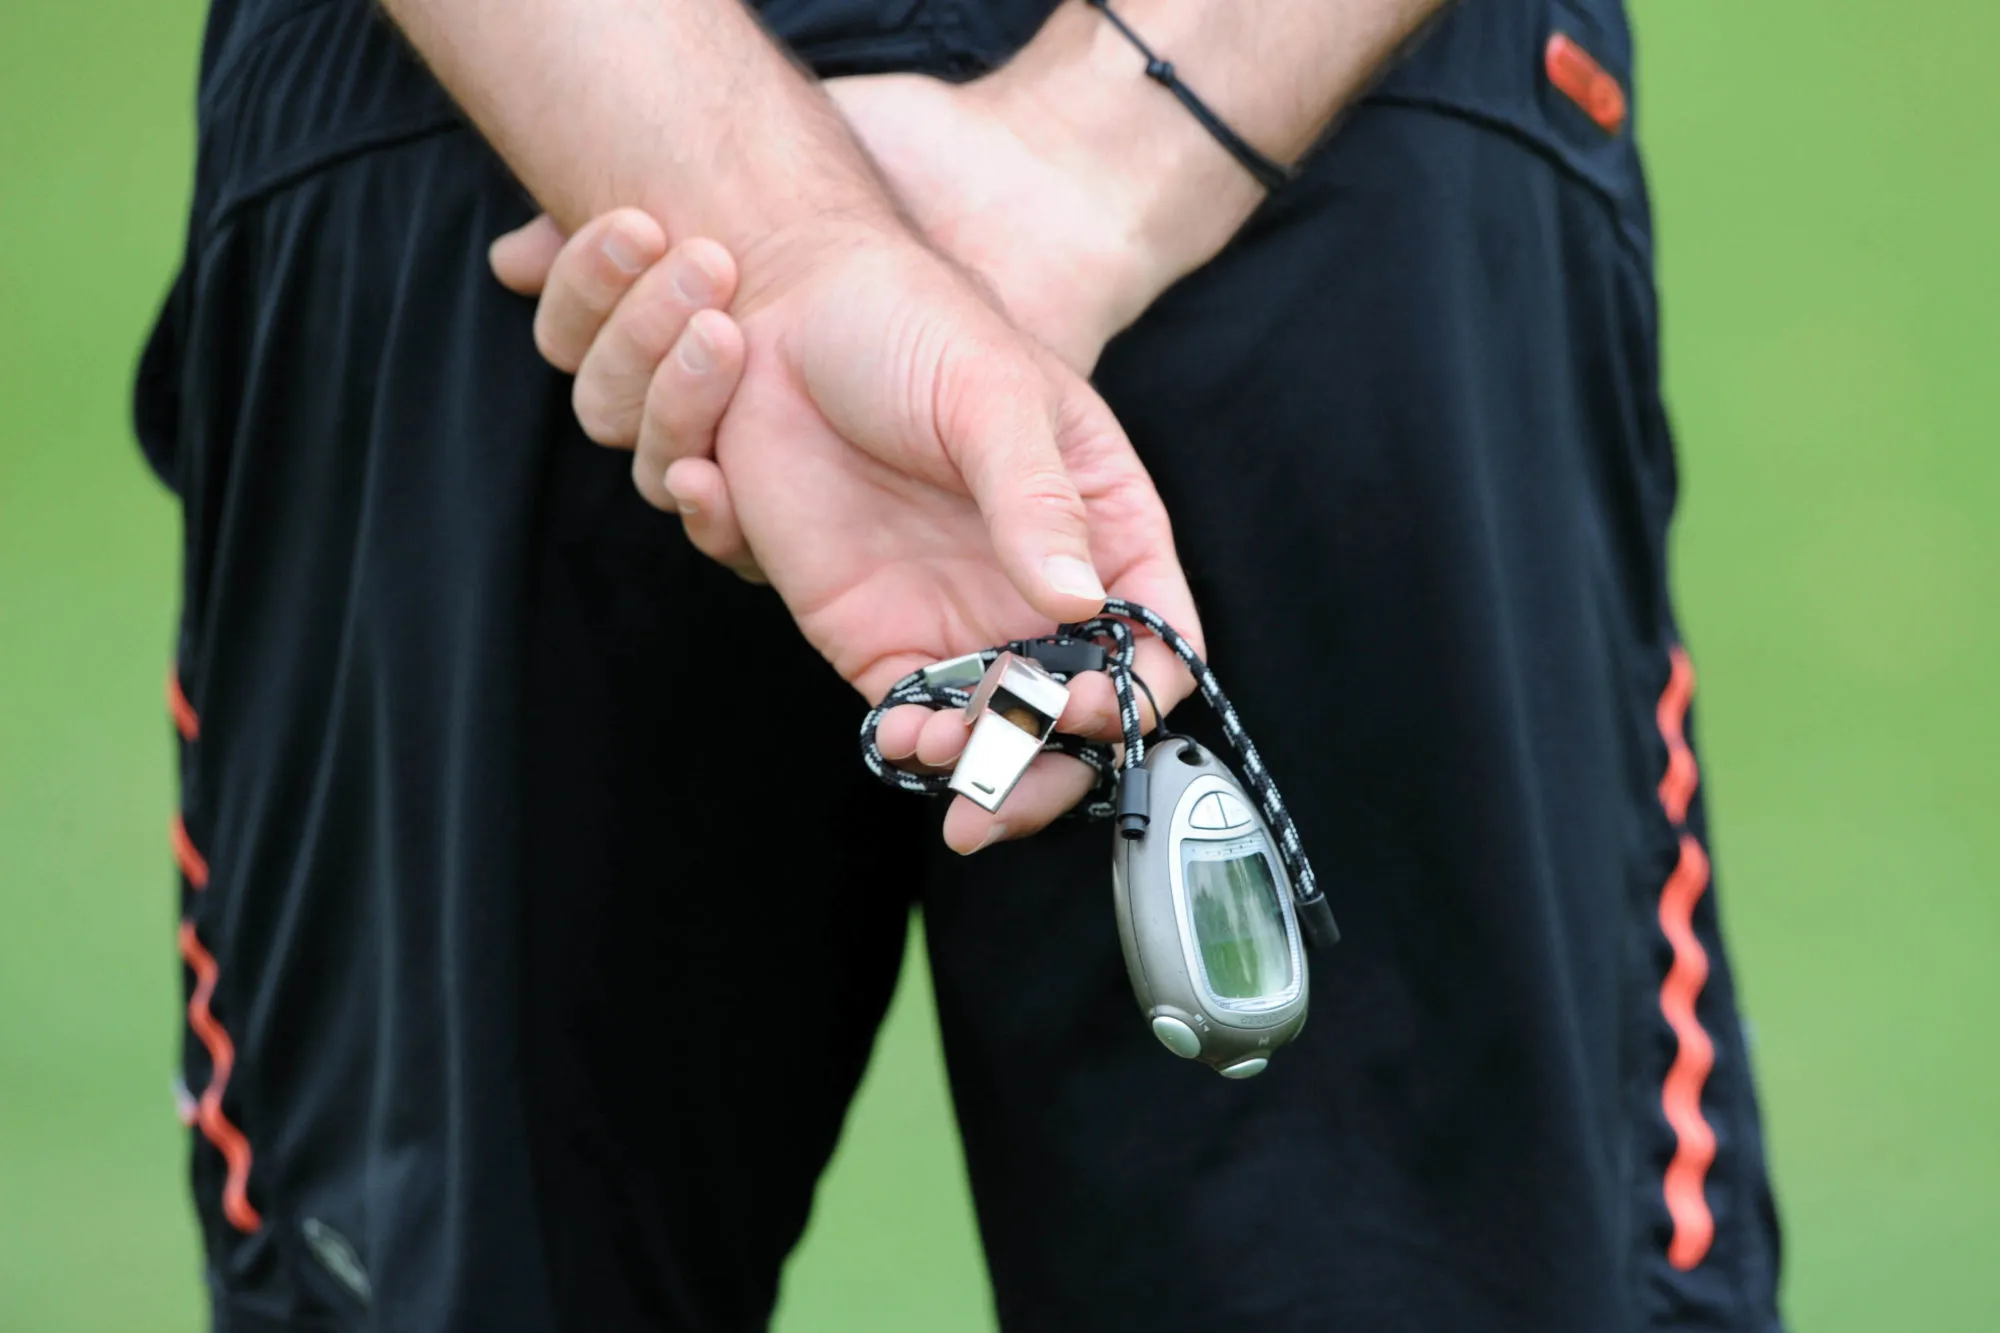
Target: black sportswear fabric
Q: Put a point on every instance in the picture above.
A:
(541, 1023)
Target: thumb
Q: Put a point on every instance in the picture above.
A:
(996, 421)
(522, 258)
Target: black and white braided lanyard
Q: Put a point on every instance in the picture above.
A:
(1070, 651)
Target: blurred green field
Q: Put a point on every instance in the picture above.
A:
(1826, 178)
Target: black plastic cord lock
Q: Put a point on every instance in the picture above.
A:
(1135, 802)
(1065, 657)
(1316, 920)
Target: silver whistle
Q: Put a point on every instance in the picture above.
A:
(1012, 714)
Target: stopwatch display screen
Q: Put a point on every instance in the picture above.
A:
(1239, 922)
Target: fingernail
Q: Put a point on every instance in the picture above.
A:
(697, 353)
(687, 507)
(619, 249)
(695, 284)
(993, 835)
(1067, 574)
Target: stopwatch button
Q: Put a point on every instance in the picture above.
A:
(1208, 813)
(1234, 812)
(1245, 1068)
(1177, 1037)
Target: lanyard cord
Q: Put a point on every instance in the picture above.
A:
(1072, 650)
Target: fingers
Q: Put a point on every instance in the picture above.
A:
(930, 741)
(995, 423)
(652, 329)
(897, 734)
(594, 270)
(656, 360)
(1052, 784)
(1092, 711)
(695, 488)
(522, 258)
(875, 679)
(689, 392)
(943, 739)
(922, 739)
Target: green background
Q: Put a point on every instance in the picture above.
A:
(1825, 178)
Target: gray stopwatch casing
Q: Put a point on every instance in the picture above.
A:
(1205, 914)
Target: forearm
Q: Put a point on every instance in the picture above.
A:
(1277, 71)
(681, 107)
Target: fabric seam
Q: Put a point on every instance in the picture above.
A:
(250, 44)
(1629, 234)
(288, 170)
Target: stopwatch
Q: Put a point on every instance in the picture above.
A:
(1212, 943)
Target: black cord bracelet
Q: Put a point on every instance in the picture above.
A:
(1271, 175)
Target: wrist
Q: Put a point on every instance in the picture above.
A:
(789, 255)
(1078, 96)
(783, 192)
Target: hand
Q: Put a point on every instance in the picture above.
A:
(1039, 178)
(1060, 245)
(879, 547)
(1066, 240)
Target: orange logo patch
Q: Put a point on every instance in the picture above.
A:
(1577, 74)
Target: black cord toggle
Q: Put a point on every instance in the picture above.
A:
(1061, 655)
(1316, 920)
(1135, 802)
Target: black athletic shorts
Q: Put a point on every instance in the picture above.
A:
(539, 914)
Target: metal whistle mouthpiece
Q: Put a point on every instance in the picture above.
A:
(1012, 714)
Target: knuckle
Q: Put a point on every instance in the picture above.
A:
(651, 457)
(549, 343)
(651, 489)
(1050, 495)
(647, 328)
(598, 278)
(598, 416)
(666, 417)
(713, 258)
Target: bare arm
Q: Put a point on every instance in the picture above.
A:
(1277, 71)
(1005, 176)
(681, 107)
